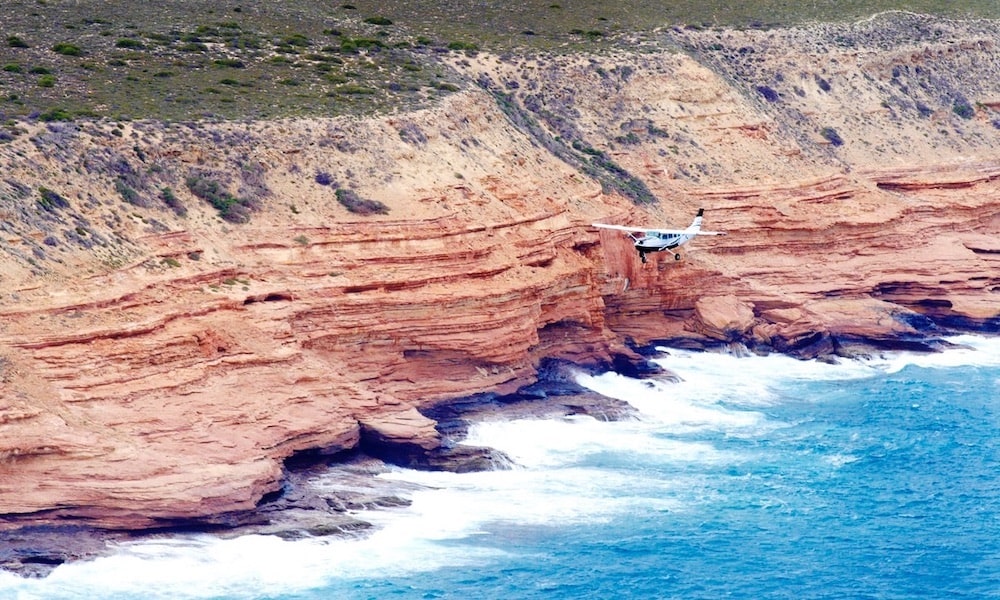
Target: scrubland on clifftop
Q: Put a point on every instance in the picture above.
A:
(185, 303)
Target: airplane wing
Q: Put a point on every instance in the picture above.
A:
(684, 232)
(638, 229)
(655, 230)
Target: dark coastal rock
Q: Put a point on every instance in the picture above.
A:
(458, 459)
(554, 394)
(35, 550)
(812, 345)
(410, 439)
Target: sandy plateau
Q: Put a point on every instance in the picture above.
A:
(159, 368)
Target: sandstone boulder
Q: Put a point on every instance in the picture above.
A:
(409, 439)
(403, 427)
(724, 318)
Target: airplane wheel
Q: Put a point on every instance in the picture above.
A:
(643, 258)
(677, 257)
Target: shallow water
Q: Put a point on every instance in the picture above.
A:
(760, 477)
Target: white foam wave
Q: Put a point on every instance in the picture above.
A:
(545, 443)
(712, 382)
(971, 350)
(680, 407)
(751, 378)
(254, 566)
(458, 505)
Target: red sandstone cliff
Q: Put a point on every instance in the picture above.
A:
(158, 367)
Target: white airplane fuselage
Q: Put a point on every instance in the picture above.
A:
(655, 242)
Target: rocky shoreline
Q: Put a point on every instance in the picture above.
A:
(305, 508)
(321, 493)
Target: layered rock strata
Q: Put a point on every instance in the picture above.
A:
(159, 364)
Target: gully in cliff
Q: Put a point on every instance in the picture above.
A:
(659, 240)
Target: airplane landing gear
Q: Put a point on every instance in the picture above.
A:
(677, 256)
(642, 257)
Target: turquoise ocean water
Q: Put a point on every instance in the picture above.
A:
(759, 477)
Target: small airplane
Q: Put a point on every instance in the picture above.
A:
(659, 240)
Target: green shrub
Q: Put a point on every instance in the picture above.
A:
(355, 90)
(296, 39)
(47, 81)
(161, 38)
(15, 42)
(50, 200)
(769, 93)
(324, 58)
(831, 135)
(129, 43)
(629, 138)
(963, 109)
(467, 46)
(39, 71)
(67, 49)
(206, 30)
(358, 205)
(231, 208)
(351, 46)
(55, 114)
(378, 21)
(232, 63)
(12, 68)
(128, 194)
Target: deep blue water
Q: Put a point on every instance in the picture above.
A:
(753, 478)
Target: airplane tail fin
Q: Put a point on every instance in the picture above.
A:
(696, 224)
(695, 228)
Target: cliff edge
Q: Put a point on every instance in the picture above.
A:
(185, 306)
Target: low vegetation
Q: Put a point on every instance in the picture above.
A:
(354, 203)
(198, 59)
(830, 134)
(230, 207)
